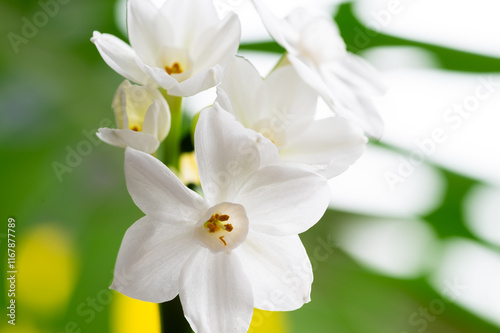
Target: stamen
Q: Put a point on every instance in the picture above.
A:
(212, 227)
(136, 129)
(214, 223)
(222, 228)
(175, 69)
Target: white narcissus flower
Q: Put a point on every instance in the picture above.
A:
(318, 53)
(142, 117)
(233, 250)
(282, 108)
(181, 46)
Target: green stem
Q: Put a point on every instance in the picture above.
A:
(172, 317)
(172, 144)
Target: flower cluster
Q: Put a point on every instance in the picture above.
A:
(262, 155)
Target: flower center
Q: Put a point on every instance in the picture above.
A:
(174, 69)
(214, 224)
(136, 128)
(273, 128)
(223, 227)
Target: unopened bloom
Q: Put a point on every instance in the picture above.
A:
(142, 117)
(232, 250)
(181, 46)
(282, 108)
(318, 53)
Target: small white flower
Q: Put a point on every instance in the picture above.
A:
(318, 53)
(282, 108)
(235, 249)
(181, 46)
(142, 117)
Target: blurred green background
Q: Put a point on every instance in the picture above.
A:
(67, 193)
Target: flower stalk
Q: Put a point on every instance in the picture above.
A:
(171, 314)
(172, 317)
(172, 144)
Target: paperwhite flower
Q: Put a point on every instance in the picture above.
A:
(282, 108)
(318, 53)
(235, 249)
(181, 46)
(142, 117)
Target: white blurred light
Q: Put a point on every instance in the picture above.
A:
(451, 118)
(397, 248)
(474, 270)
(198, 102)
(397, 57)
(366, 188)
(470, 25)
(121, 16)
(482, 213)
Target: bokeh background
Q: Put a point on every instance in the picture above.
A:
(411, 243)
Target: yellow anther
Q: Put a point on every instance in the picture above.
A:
(215, 224)
(174, 69)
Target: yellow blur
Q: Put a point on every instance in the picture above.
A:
(47, 270)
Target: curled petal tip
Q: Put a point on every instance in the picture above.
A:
(95, 36)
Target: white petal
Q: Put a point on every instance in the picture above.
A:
(151, 119)
(119, 56)
(353, 103)
(216, 45)
(127, 138)
(159, 76)
(279, 29)
(284, 200)
(164, 118)
(157, 118)
(341, 97)
(278, 269)
(215, 293)
(188, 18)
(120, 104)
(287, 101)
(320, 40)
(143, 29)
(332, 142)
(240, 85)
(223, 100)
(158, 192)
(227, 154)
(299, 18)
(366, 76)
(151, 258)
(310, 75)
(197, 83)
